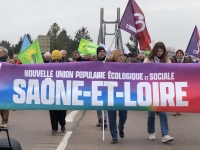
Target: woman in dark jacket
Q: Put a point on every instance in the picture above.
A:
(179, 59)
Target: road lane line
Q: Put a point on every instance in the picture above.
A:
(71, 115)
(64, 141)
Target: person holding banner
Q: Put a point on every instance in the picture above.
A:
(4, 58)
(77, 56)
(116, 56)
(158, 55)
(179, 59)
(101, 55)
(57, 116)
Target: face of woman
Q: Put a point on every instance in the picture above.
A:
(159, 52)
(119, 57)
(179, 55)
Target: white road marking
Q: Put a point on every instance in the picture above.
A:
(71, 115)
(68, 134)
(63, 143)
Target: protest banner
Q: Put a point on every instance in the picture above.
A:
(104, 86)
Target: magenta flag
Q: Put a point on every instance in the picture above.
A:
(193, 46)
(133, 21)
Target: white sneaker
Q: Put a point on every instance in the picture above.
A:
(152, 136)
(167, 138)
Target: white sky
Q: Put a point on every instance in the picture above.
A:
(169, 21)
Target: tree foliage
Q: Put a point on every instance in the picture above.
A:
(59, 39)
(8, 46)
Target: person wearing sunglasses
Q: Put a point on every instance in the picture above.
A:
(57, 116)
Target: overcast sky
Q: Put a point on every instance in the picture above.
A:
(169, 21)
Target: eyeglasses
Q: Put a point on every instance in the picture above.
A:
(56, 60)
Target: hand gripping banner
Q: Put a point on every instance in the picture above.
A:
(100, 86)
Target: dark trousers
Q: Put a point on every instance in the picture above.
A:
(57, 116)
(112, 116)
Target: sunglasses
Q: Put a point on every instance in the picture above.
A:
(56, 60)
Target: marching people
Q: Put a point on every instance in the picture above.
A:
(57, 116)
(140, 57)
(77, 56)
(4, 58)
(101, 55)
(47, 57)
(64, 56)
(179, 59)
(125, 57)
(116, 56)
(158, 55)
(133, 58)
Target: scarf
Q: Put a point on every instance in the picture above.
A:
(3, 59)
(179, 60)
(156, 59)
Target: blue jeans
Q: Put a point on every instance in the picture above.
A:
(112, 116)
(163, 123)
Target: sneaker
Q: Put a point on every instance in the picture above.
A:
(99, 123)
(152, 136)
(53, 132)
(63, 128)
(175, 114)
(167, 138)
(4, 125)
(121, 134)
(114, 141)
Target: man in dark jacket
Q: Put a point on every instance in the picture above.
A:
(101, 55)
(77, 56)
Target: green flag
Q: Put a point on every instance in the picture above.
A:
(87, 47)
(31, 55)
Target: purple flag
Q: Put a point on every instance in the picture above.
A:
(127, 22)
(193, 46)
(133, 21)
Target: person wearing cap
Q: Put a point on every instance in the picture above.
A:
(57, 116)
(101, 55)
(179, 59)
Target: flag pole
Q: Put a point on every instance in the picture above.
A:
(103, 125)
(110, 46)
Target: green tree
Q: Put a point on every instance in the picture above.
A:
(30, 39)
(64, 40)
(133, 46)
(17, 46)
(54, 32)
(81, 33)
(8, 46)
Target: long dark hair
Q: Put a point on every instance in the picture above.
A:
(158, 45)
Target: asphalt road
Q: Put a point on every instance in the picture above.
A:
(33, 130)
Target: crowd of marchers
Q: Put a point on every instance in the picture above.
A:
(57, 117)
